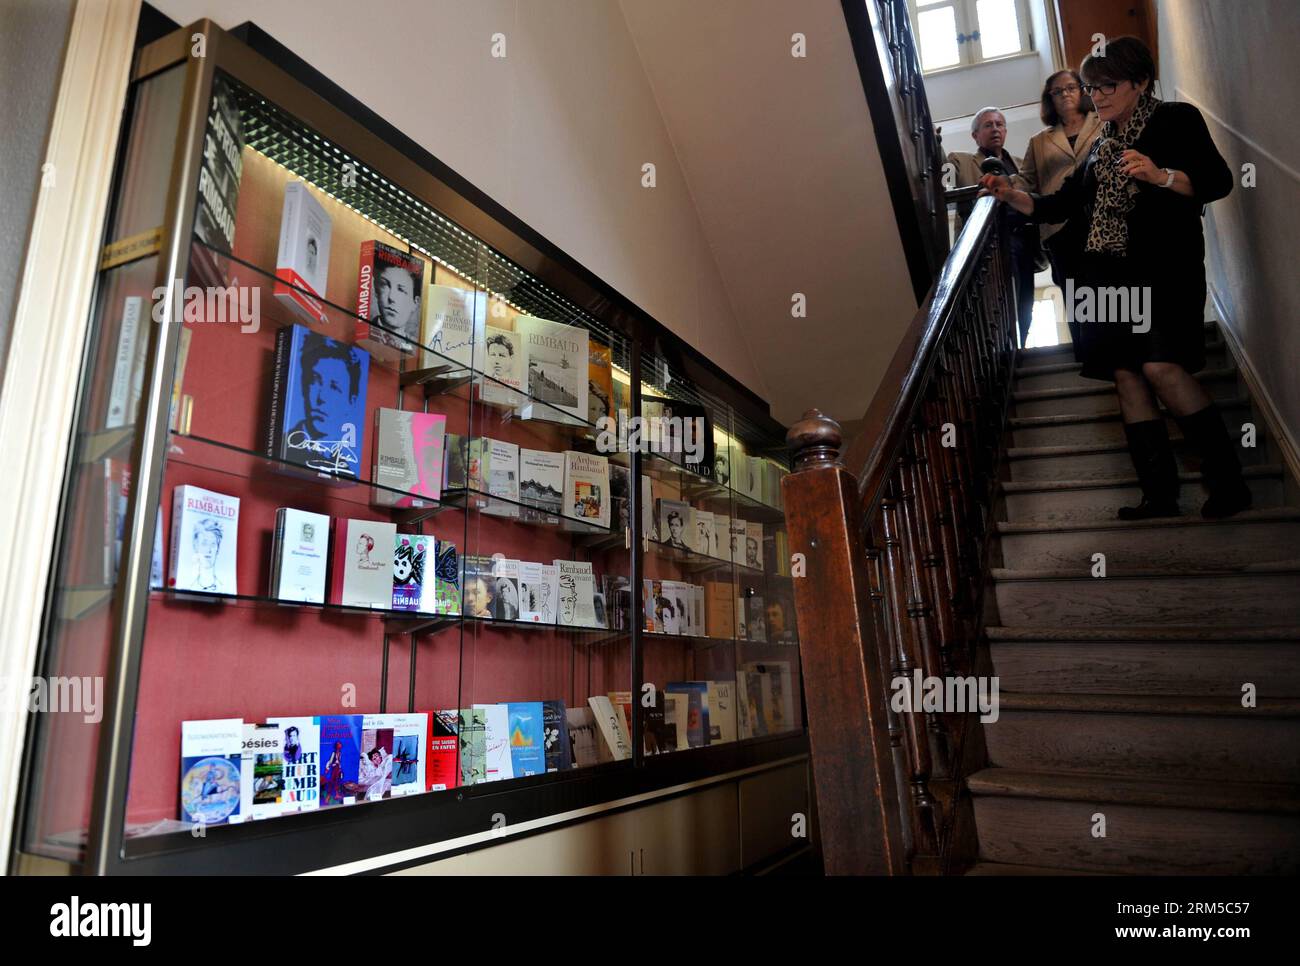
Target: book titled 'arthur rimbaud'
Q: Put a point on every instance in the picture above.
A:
(300, 752)
(556, 361)
(388, 300)
(302, 263)
(205, 532)
(211, 757)
(408, 458)
(299, 552)
(586, 488)
(318, 403)
(363, 564)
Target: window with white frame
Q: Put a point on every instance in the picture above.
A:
(957, 33)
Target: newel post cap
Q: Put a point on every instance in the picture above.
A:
(814, 441)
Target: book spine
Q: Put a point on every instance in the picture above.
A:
(178, 514)
(279, 395)
(365, 290)
(110, 527)
(277, 549)
(124, 382)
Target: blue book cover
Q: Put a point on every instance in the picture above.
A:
(318, 402)
(340, 753)
(697, 713)
(527, 739)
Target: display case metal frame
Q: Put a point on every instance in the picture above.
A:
(331, 837)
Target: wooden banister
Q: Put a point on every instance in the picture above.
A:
(893, 534)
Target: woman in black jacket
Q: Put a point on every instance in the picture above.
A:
(1132, 217)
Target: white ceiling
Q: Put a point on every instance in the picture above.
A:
(782, 164)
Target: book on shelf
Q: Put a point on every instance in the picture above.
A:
(619, 498)
(742, 619)
(587, 745)
(128, 366)
(156, 564)
(720, 609)
(211, 761)
(527, 738)
(754, 478)
(755, 618)
(413, 578)
(722, 458)
(657, 737)
(539, 592)
(541, 484)
(678, 594)
(697, 603)
(389, 281)
(410, 763)
(117, 488)
(577, 594)
(505, 590)
(722, 711)
(318, 402)
(676, 723)
(261, 771)
(555, 734)
(454, 319)
(600, 382)
(455, 454)
(471, 738)
(447, 581)
(498, 764)
(375, 761)
(609, 720)
(771, 695)
(181, 410)
(302, 262)
(622, 702)
(299, 555)
(503, 367)
(737, 541)
(694, 437)
(586, 488)
(340, 754)
(408, 457)
(441, 768)
(555, 362)
(479, 588)
(696, 696)
(205, 538)
(782, 627)
(674, 523)
(702, 532)
(300, 751)
(363, 564)
(220, 167)
(478, 466)
(721, 546)
(503, 478)
(618, 601)
(753, 545)
(649, 519)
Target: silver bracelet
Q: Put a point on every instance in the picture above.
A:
(1169, 182)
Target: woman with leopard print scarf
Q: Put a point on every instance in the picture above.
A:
(1132, 216)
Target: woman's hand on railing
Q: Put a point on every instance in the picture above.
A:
(1000, 187)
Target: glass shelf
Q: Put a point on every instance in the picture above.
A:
(399, 621)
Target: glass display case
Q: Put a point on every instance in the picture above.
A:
(384, 523)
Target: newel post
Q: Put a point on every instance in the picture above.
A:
(845, 684)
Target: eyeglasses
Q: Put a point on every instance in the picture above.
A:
(1103, 89)
(1061, 91)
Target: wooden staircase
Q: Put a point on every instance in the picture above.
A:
(1121, 696)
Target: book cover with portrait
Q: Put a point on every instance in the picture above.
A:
(300, 751)
(363, 564)
(408, 457)
(503, 368)
(318, 403)
(205, 535)
(302, 262)
(375, 760)
(340, 755)
(389, 284)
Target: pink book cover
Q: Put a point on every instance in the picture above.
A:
(430, 432)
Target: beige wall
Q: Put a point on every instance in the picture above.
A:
(1238, 63)
(557, 131)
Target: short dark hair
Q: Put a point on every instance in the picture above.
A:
(1047, 106)
(1123, 59)
(317, 348)
(502, 341)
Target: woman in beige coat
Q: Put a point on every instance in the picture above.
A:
(1054, 154)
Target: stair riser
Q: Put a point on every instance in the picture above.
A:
(1198, 545)
(1183, 668)
(1045, 357)
(1189, 747)
(1107, 432)
(1101, 402)
(1139, 840)
(1101, 503)
(1230, 600)
(1100, 466)
(1216, 357)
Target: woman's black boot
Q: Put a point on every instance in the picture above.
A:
(1153, 458)
(1220, 467)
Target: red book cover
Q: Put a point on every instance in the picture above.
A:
(441, 769)
(389, 284)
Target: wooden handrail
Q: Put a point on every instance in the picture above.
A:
(894, 536)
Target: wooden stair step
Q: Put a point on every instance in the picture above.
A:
(1099, 461)
(1069, 429)
(1219, 383)
(1006, 868)
(1043, 501)
(1067, 372)
(1263, 594)
(1161, 704)
(1139, 839)
(1127, 790)
(1187, 542)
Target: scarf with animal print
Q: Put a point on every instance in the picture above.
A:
(1116, 191)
